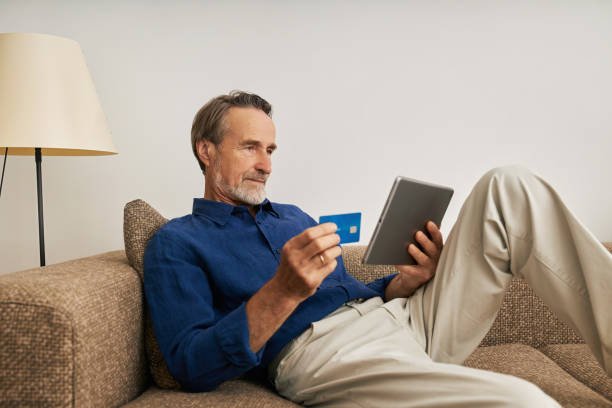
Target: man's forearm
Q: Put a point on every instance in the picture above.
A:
(266, 311)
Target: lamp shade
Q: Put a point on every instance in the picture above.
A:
(48, 99)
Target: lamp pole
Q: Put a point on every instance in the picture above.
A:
(41, 227)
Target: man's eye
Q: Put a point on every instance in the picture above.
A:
(250, 148)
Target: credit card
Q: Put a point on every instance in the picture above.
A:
(349, 226)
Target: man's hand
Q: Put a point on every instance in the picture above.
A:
(411, 277)
(306, 260)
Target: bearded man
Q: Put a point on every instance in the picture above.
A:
(247, 285)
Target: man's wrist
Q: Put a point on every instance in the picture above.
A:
(396, 288)
(390, 289)
(266, 311)
(277, 293)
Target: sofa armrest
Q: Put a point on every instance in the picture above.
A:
(71, 334)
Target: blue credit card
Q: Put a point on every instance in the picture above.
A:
(349, 226)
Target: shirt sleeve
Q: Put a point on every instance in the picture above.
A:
(201, 346)
(379, 285)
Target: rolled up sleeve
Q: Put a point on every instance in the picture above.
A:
(232, 337)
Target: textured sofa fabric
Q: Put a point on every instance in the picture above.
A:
(72, 335)
(235, 393)
(578, 361)
(140, 223)
(526, 362)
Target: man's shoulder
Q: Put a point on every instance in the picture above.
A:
(177, 224)
(176, 229)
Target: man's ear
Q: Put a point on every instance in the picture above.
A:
(204, 148)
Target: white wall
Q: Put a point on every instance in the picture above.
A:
(362, 92)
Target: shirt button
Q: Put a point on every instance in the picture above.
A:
(259, 222)
(278, 251)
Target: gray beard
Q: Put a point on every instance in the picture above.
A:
(251, 196)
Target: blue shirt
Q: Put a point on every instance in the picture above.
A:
(201, 269)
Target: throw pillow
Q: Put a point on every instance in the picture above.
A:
(140, 223)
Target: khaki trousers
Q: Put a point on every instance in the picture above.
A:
(405, 353)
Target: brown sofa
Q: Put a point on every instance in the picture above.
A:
(72, 335)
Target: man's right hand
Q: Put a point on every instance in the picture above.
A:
(307, 259)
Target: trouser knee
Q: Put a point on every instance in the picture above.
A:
(510, 187)
(506, 175)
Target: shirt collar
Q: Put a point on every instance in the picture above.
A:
(220, 212)
(270, 208)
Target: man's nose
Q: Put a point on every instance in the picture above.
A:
(264, 163)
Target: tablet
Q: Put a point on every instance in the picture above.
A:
(411, 203)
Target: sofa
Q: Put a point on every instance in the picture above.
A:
(73, 334)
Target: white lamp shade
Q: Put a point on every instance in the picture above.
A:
(48, 99)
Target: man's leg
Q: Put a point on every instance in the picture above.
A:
(514, 223)
(366, 356)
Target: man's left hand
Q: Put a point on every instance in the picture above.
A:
(411, 277)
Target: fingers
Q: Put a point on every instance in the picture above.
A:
(432, 247)
(428, 246)
(320, 245)
(413, 276)
(418, 255)
(307, 259)
(435, 233)
(312, 233)
(306, 249)
(328, 255)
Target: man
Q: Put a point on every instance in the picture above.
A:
(244, 284)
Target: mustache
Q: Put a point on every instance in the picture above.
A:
(257, 177)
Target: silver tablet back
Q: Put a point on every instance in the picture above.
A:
(411, 203)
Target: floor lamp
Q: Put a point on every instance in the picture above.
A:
(48, 105)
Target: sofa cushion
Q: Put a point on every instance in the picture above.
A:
(578, 360)
(230, 394)
(140, 223)
(528, 363)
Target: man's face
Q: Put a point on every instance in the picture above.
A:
(239, 167)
